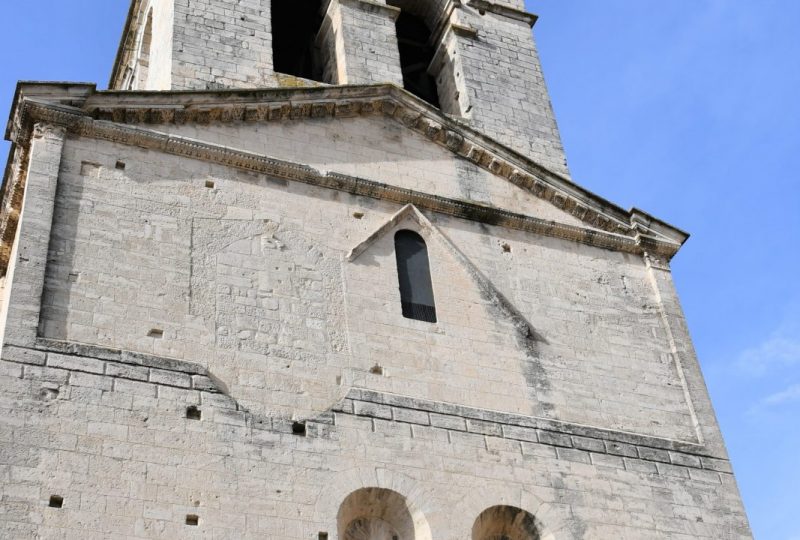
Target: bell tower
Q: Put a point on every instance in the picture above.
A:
(474, 60)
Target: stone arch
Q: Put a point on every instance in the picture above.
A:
(423, 37)
(506, 523)
(431, 11)
(374, 513)
(417, 496)
(552, 521)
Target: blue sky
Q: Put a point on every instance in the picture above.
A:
(689, 109)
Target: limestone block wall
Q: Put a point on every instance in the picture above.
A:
(96, 444)
(193, 350)
(507, 94)
(361, 37)
(221, 44)
(161, 48)
(247, 276)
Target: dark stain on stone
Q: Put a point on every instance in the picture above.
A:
(528, 339)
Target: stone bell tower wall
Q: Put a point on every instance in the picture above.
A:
(486, 64)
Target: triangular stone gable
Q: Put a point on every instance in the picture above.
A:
(511, 360)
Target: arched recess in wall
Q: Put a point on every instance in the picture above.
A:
(428, 70)
(142, 67)
(414, 276)
(505, 523)
(296, 25)
(414, 41)
(380, 514)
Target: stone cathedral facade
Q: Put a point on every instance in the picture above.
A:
(317, 270)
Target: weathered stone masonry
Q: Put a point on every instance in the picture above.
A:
(202, 326)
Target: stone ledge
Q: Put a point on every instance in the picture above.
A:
(112, 370)
(460, 419)
(112, 363)
(117, 370)
(504, 11)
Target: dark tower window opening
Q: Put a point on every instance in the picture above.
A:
(295, 25)
(414, 274)
(416, 55)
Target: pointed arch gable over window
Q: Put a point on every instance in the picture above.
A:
(414, 275)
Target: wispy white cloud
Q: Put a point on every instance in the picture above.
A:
(789, 395)
(779, 350)
(777, 403)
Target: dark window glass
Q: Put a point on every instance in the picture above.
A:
(414, 273)
(295, 25)
(416, 54)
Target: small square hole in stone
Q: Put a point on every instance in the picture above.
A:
(323, 536)
(156, 333)
(192, 520)
(210, 184)
(376, 370)
(299, 428)
(193, 413)
(56, 501)
(120, 165)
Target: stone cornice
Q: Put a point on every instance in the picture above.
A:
(108, 115)
(85, 126)
(504, 11)
(382, 405)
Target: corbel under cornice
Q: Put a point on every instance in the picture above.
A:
(107, 115)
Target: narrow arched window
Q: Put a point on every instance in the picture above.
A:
(414, 273)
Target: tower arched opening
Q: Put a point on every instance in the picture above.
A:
(380, 514)
(505, 523)
(295, 26)
(414, 41)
